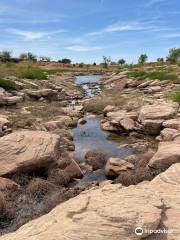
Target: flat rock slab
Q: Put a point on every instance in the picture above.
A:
(168, 153)
(109, 213)
(159, 110)
(27, 150)
(113, 212)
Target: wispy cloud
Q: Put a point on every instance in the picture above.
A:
(79, 48)
(152, 2)
(30, 35)
(171, 35)
(120, 27)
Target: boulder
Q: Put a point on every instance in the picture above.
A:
(27, 150)
(167, 134)
(82, 121)
(159, 110)
(107, 126)
(4, 122)
(121, 84)
(121, 114)
(60, 122)
(108, 213)
(115, 166)
(155, 83)
(168, 153)
(73, 111)
(96, 159)
(64, 170)
(172, 123)
(145, 84)
(43, 93)
(127, 123)
(167, 186)
(155, 89)
(112, 212)
(114, 79)
(152, 127)
(8, 101)
(108, 108)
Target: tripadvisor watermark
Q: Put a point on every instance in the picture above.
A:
(139, 231)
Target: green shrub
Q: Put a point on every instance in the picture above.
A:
(175, 96)
(7, 84)
(153, 75)
(31, 73)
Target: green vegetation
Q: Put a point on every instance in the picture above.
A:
(121, 61)
(161, 75)
(174, 55)
(175, 96)
(28, 57)
(7, 84)
(143, 58)
(113, 97)
(5, 56)
(65, 61)
(160, 60)
(31, 73)
(106, 61)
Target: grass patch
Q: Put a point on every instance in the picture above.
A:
(97, 105)
(113, 97)
(175, 96)
(161, 75)
(31, 73)
(7, 84)
(44, 111)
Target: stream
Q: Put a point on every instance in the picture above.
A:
(90, 136)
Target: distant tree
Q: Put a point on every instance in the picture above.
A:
(65, 61)
(31, 56)
(94, 64)
(45, 59)
(121, 61)
(174, 55)
(160, 60)
(23, 56)
(113, 63)
(5, 56)
(106, 61)
(28, 56)
(143, 58)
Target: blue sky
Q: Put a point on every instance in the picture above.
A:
(85, 30)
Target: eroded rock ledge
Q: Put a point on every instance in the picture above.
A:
(113, 212)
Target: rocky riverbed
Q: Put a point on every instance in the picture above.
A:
(133, 141)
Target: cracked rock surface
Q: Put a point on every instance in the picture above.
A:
(113, 212)
(26, 150)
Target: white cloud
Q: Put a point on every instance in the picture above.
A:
(120, 27)
(30, 35)
(79, 48)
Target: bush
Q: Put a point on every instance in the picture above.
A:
(7, 84)
(39, 188)
(141, 75)
(175, 96)
(31, 73)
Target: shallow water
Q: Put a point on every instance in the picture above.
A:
(87, 79)
(88, 83)
(90, 136)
